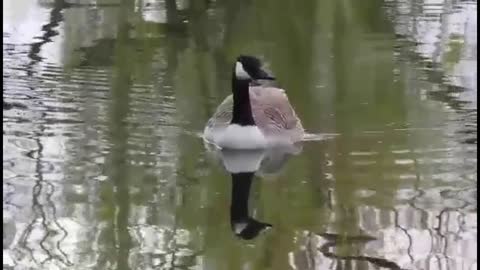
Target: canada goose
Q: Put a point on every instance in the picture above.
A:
(253, 117)
(243, 165)
(243, 225)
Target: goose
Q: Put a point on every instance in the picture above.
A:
(254, 116)
(243, 165)
(242, 224)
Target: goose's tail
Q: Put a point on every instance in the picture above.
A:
(308, 137)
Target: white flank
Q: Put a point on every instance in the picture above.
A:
(240, 72)
(241, 137)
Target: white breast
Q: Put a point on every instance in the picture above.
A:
(241, 137)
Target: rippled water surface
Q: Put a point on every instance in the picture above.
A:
(103, 167)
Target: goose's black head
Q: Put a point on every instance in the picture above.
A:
(249, 228)
(250, 68)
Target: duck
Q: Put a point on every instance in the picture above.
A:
(254, 116)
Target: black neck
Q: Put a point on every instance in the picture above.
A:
(242, 110)
(241, 183)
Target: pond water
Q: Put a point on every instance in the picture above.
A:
(104, 168)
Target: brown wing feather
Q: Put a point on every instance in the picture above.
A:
(271, 110)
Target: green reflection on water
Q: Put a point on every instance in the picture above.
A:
(163, 203)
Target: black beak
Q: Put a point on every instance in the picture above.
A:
(264, 75)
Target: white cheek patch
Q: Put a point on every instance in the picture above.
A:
(240, 72)
(239, 227)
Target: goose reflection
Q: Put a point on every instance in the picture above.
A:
(242, 224)
(243, 165)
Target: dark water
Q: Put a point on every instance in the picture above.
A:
(103, 167)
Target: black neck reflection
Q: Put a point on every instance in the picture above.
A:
(242, 224)
(243, 165)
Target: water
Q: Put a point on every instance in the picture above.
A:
(103, 168)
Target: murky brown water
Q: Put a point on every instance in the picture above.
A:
(103, 167)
